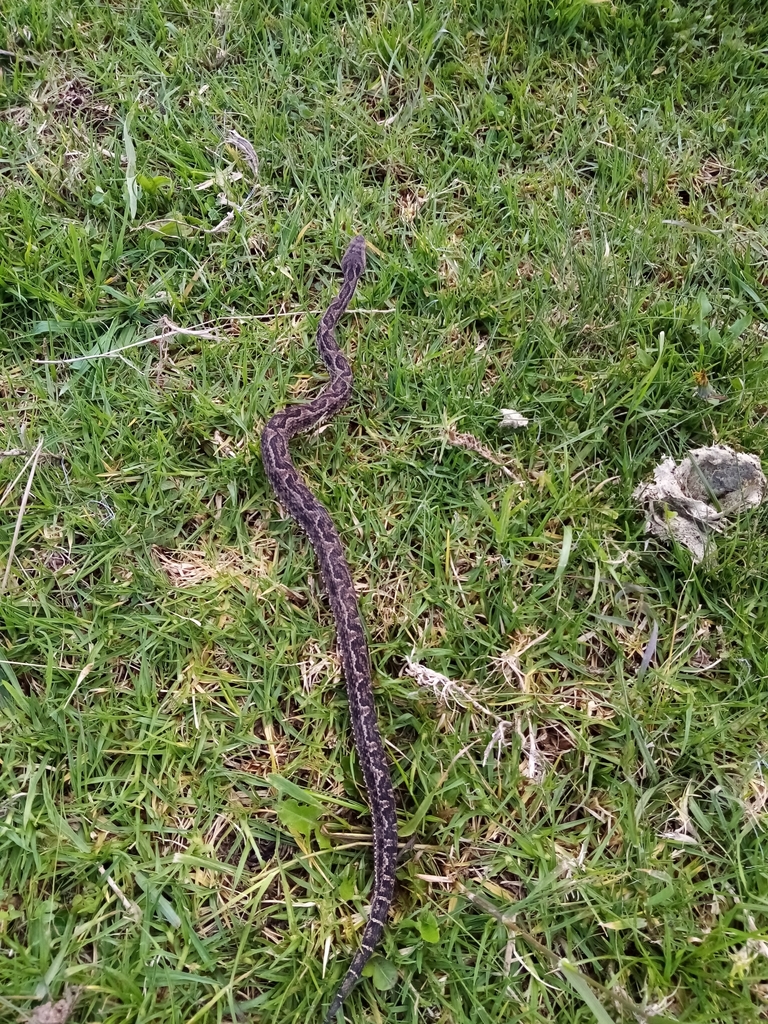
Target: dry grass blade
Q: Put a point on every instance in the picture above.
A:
(9, 489)
(20, 516)
(170, 330)
(130, 169)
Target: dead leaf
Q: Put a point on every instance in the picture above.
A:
(691, 500)
(58, 1012)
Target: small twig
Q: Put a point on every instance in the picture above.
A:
(15, 55)
(173, 330)
(301, 312)
(468, 441)
(443, 687)
(170, 332)
(223, 225)
(231, 985)
(187, 332)
(20, 516)
(687, 225)
(6, 804)
(621, 149)
(408, 846)
(16, 479)
(508, 922)
(36, 664)
(131, 908)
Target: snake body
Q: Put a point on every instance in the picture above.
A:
(294, 495)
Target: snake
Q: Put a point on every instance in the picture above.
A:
(312, 517)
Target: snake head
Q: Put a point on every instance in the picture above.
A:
(353, 260)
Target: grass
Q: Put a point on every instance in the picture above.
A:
(546, 188)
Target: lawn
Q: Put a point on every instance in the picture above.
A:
(565, 204)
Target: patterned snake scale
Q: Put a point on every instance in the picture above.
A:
(294, 495)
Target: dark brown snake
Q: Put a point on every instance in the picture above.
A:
(294, 495)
